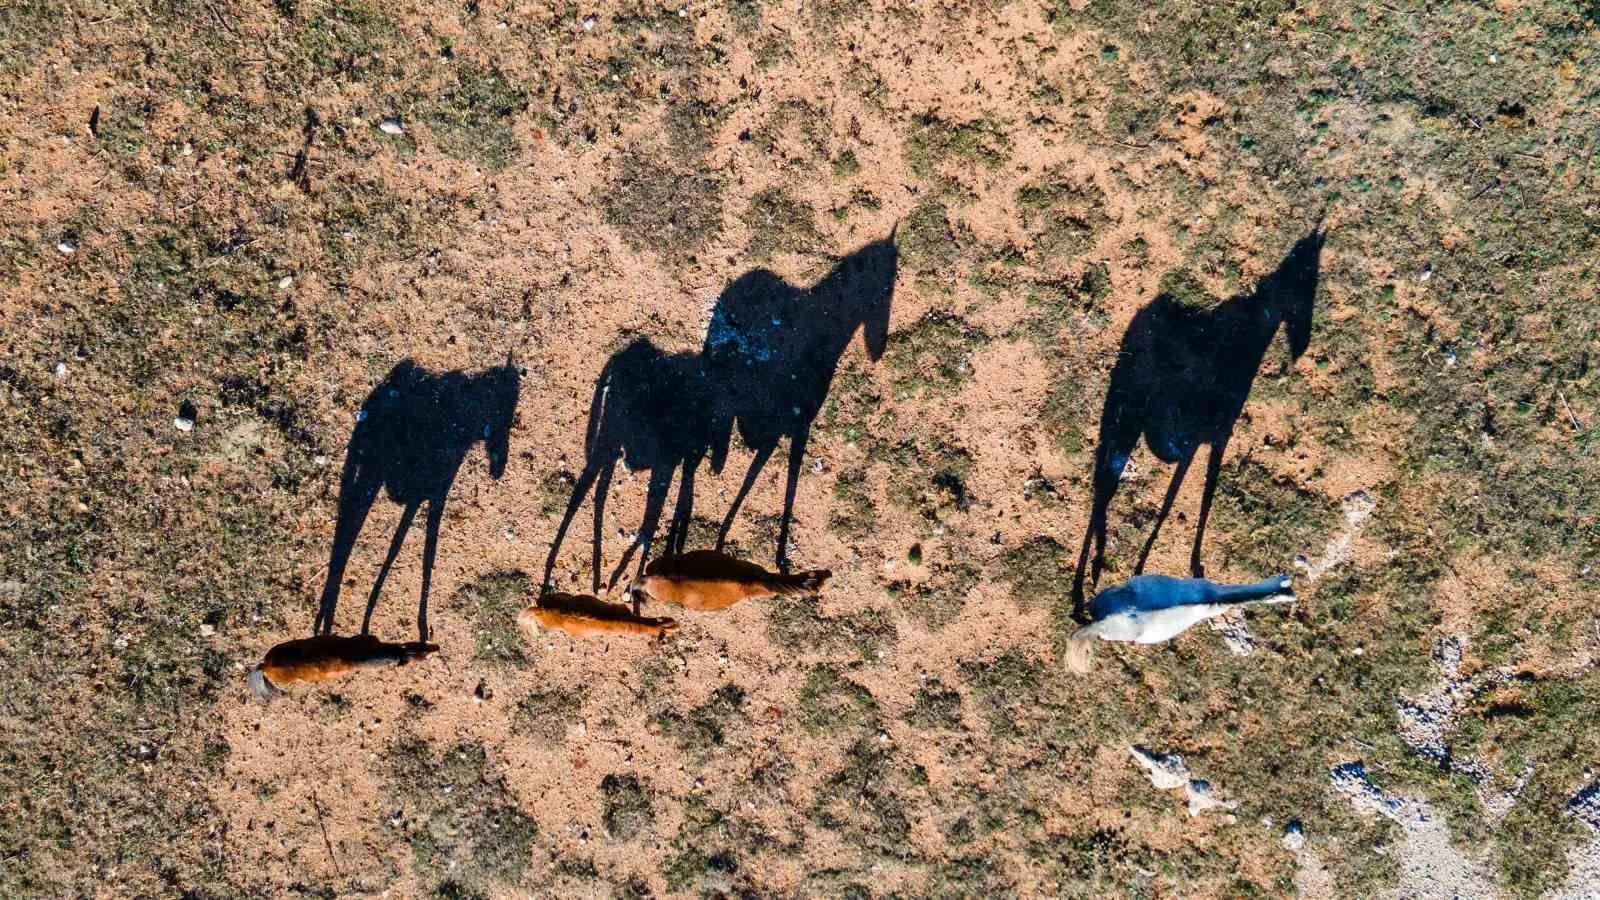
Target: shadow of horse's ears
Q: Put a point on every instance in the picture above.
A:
(510, 361)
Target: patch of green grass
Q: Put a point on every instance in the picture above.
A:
(459, 817)
(1004, 686)
(1061, 214)
(471, 119)
(831, 702)
(779, 222)
(1038, 569)
(938, 601)
(555, 491)
(660, 206)
(927, 239)
(845, 165)
(626, 811)
(929, 480)
(351, 40)
(853, 514)
(799, 622)
(1269, 521)
(491, 604)
(866, 801)
(26, 28)
(546, 712)
(935, 706)
(933, 140)
(704, 728)
(932, 356)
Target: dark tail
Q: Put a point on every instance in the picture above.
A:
(260, 687)
(800, 583)
(414, 651)
(1261, 590)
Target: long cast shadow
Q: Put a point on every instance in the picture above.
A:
(412, 434)
(651, 410)
(1181, 379)
(768, 360)
(772, 350)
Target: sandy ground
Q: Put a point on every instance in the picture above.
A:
(523, 260)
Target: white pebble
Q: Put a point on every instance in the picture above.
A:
(61, 370)
(66, 247)
(183, 423)
(391, 125)
(285, 282)
(588, 24)
(1293, 837)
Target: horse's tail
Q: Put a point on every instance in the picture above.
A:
(260, 687)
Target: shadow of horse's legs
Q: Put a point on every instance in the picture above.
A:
(655, 499)
(1166, 507)
(355, 501)
(797, 458)
(580, 489)
(602, 490)
(763, 454)
(388, 561)
(430, 549)
(683, 512)
(1213, 472)
(1109, 462)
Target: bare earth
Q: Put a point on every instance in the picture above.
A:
(568, 178)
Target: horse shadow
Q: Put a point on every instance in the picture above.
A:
(764, 369)
(651, 410)
(771, 352)
(412, 434)
(1181, 379)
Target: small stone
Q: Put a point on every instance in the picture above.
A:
(588, 24)
(186, 417)
(482, 692)
(391, 125)
(207, 630)
(1294, 837)
(61, 370)
(285, 282)
(66, 247)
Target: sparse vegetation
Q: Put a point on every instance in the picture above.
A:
(627, 811)
(491, 604)
(243, 216)
(932, 356)
(465, 830)
(659, 206)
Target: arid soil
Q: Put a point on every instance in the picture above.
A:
(222, 224)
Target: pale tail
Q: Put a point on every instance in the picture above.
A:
(260, 687)
(1080, 649)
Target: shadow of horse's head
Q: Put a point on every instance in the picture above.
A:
(496, 393)
(860, 290)
(1289, 293)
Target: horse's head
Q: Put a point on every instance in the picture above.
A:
(863, 286)
(1289, 293)
(499, 388)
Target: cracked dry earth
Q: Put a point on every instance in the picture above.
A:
(222, 224)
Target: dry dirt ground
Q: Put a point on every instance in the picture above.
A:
(245, 214)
